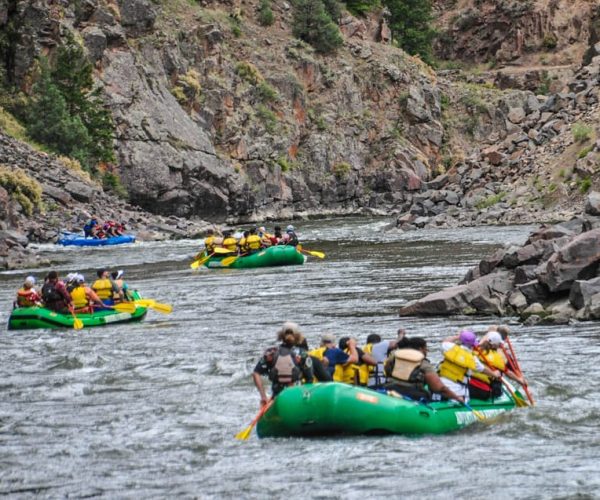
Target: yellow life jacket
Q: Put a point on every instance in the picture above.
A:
(209, 244)
(405, 363)
(457, 362)
(253, 242)
(103, 288)
(350, 373)
(230, 243)
(266, 240)
(495, 359)
(365, 370)
(242, 245)
(318, 353)
(79, 297)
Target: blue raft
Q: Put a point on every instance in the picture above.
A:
(81, 241)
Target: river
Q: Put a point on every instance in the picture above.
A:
(150, 410)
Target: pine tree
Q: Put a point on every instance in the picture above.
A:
(313, 25)
(410, 24)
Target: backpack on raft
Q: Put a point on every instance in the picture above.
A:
(478, 389)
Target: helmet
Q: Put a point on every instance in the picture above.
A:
(289, 228)
(30, 280)
(80, 278)
(468, 338)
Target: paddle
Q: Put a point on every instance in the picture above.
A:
(227, 261)
(516, 365)
(125, 307)
(77, 323)
(314, 253)
(520, 402)
(152, 304)
(197, 263)
(245, 434)
(480, 416)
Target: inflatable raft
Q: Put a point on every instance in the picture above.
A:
(26, 318)
(81, 241)
(281, 255)
(335, 408)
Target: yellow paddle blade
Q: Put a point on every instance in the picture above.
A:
(227, 261)
(126, 307)
(245, 434)
(77, 323)
(314, 253)
(196, 264)
(222, 250)
(157, 306)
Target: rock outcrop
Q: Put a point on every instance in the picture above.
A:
(552, 278)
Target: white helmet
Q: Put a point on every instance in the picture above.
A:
(289, 228)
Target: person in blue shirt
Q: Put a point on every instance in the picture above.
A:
(91, 228)
(332, 355)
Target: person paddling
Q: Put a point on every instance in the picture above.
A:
(55, 294)
(285, 365)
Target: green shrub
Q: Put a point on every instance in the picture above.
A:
(265, 13)
(283, 163)
(491, 200)
(584, 152)
(248, 72)
(341, 170)
(581, 132)
(550, 41)
(266, 93)
(585, 185)
(112, 182)
(268, 118)
(360, 7)
(312, 24)
(26, 190)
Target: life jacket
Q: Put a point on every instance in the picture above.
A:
(406, 364)
(318, 353)
(495, 359)
(79, 297)
(284, 369)
(368, 372)
(267, 240)
(104, 288)
(456, 364)
(52, 298)
(27, 298)
(242, 245)
(351, 373)
(253, 242)
(230, 243)
(292, 239)
(209, 244)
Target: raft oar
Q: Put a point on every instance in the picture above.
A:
(152, 304)
(77, 323)
(227, 261)
(197, 263)
(518, 367)
(519, 401)
(480, 416)
(245, 434)
(125, 307)
(314, 253)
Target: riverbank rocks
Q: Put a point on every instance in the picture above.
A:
(68, 199)
(553, 278)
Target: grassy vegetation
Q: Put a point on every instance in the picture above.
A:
(490, 200)
(341, 170)
(22, 188)
(581, 132)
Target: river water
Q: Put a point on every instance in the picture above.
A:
(150, 410)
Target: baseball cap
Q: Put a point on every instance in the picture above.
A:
(494, 338)
(468, 338)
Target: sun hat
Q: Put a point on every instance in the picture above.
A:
(468, 338)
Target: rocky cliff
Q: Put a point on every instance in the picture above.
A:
(221, 118)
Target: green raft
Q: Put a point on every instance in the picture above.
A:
(335, 408)
(27, 318)
(280, 255)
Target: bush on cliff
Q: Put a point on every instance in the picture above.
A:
(22, 188)
(313, 25)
